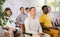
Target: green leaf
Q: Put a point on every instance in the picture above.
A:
(1, 13)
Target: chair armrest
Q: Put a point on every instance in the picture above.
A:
(28, 33)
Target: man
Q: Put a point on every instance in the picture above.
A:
(56, 22)
(51, 14)
(32, 24)
(20, 20)
(46, 22)
(27, 11)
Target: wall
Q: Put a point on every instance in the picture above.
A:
(16, 4)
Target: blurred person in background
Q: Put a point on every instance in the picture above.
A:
(20, 21)
(27, 11)
(51, 14)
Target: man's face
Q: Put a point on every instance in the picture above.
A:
(27, 10)
(22, 10)
(33, 11)
(49, 9)
(46, 10)
(8, 13)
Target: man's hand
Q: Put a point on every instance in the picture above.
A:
(40, 34)
(50, 28)
(7, 27)
(13, 29)
(17, 24)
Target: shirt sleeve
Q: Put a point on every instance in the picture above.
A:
(39, 27)
(27, 27)
(41, 19)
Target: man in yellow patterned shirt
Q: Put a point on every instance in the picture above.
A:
(46, 22)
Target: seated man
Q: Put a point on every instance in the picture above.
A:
(51, 14)
(32, 24)
(46, 22)
(20, 21)
(10, 25)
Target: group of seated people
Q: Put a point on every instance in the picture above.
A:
(27, 23)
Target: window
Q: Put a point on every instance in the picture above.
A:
(54, 4)
(39, 4)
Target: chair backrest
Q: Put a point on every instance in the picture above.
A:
(23, 28)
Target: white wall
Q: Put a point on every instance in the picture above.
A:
(16, 4)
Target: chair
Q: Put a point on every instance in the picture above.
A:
(6, 34)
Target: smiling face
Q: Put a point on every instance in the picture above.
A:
(45, 9)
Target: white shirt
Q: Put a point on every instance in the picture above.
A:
(11, 23)
(32, 26)
(27, 13)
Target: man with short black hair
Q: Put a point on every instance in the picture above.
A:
(20, 21)
(46, 22)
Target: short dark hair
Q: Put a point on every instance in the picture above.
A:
(21, 8)
(32, 8)
(26, 8)
(44, 7)
(6, 9)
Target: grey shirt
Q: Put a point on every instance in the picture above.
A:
(21, 18)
